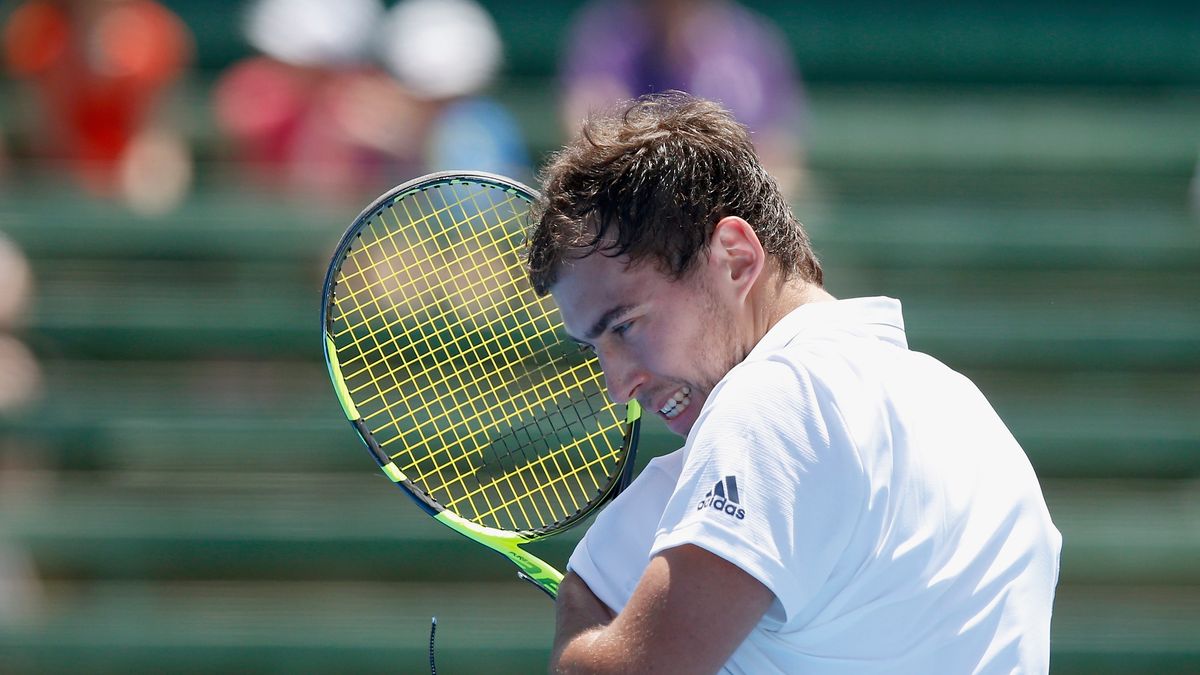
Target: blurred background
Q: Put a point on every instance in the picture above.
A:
(178, 489)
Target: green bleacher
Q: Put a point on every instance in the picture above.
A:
(191, 499)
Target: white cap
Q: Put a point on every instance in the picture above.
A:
(314, 32)
(440, 48)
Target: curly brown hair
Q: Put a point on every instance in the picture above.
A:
(651, 181)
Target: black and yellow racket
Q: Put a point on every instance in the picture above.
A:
(459, 378)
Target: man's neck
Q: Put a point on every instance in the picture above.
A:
(776, 299)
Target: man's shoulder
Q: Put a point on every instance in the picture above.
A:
(806, 368)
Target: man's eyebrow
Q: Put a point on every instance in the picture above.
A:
(605, 319)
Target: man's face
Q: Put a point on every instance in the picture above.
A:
(665, 343)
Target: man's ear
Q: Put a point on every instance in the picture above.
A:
(737, 254)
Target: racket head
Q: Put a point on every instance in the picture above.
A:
(457, 376)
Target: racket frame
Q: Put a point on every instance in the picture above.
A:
(507, 543)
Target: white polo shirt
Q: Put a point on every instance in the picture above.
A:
(872, 489)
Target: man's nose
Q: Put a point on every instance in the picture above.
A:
(622, 375)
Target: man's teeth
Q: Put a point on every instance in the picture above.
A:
(678, 403)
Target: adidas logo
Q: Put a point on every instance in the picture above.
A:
(724, 498)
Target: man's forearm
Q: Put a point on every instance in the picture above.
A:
(580, 617)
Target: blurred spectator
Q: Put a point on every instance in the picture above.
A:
(301, 112)
(715, 49)
(20, 375)
(446, 53)
(20, 386)
(98, 69)
(346, 99)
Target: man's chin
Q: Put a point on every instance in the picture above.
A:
(682, 425)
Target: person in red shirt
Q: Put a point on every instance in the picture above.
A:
(97, 69)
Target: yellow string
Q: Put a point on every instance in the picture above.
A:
(451, 418)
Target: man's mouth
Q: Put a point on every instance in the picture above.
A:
(677, 403)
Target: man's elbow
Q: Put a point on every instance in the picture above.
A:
(588, 653)
(572, 658)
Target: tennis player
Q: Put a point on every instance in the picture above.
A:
(842, 504)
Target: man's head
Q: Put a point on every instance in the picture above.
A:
(651, 182)
(668, 248)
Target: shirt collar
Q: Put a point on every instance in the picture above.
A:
(879, 317)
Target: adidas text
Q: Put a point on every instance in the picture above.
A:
(724, 498)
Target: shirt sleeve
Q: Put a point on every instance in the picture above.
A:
(614, 552)
(771, 482)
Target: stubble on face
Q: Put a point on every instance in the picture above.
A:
(720, 346)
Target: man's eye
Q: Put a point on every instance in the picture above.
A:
(622, 328)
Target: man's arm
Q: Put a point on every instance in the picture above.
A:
(689, 613)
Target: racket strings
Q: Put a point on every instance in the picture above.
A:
(381, 350)
(429, 272)
(553, 456)
(448, 445)
(444, 349)
(551, 484)
(498, 419)
(423, 440)
(409, 309)
(546, 346)
(511, 418)
(549, 462)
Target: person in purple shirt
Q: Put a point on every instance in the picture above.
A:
(714, 49)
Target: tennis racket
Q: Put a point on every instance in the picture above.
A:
(459, 378)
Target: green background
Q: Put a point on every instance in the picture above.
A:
(190, 498)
